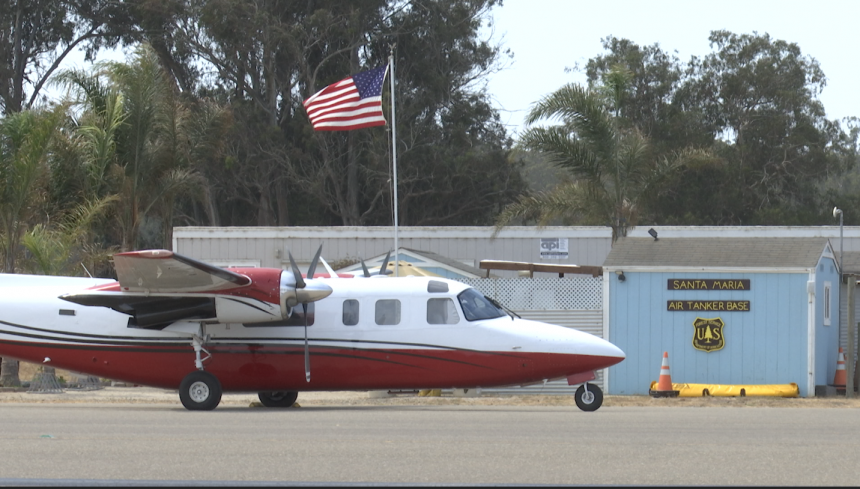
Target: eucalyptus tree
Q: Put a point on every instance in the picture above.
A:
(37, 35)
(753, 103)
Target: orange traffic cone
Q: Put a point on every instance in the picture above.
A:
(840, 379)
(664, 383)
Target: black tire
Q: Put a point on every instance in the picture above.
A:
(279, 399)
(200, 391)
(590, 402)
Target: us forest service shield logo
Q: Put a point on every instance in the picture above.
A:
(708, 334)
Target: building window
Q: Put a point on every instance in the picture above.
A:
(442, 311)
(388, 312)
(827, 305)
(350, 312)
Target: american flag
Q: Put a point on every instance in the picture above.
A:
(351, 103)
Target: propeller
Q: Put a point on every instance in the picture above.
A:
(383, 270)
(305, 292)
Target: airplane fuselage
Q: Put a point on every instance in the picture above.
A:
(375, 333)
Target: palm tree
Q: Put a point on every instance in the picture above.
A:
(25, 141)
(136, 141)
(609, 166)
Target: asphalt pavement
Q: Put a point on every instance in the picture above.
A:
(428, 444)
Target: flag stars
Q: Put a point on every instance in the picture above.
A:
(369, 83)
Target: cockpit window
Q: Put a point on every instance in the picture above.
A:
(476, 306)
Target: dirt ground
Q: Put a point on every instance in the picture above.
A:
(148, 395)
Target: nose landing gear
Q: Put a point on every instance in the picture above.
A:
(282, 399)
(588, 397)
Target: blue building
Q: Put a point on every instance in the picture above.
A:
(727, 310)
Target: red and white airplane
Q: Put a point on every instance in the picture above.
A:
(178, 323)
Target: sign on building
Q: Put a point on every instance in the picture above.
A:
(553, 248)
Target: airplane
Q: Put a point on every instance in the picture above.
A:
(174, 322)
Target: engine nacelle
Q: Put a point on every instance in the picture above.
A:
(291, 296)
(234, 309)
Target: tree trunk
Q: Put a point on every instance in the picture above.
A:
(352, 214)
(281, 195)
(9, 373)
(264, 208)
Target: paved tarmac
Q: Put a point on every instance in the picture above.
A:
(429, 444)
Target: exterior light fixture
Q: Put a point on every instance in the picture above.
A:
(653, 233)
(621, 276)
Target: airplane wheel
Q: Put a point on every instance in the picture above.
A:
(200, 391)
(588, 400)
(280, 399)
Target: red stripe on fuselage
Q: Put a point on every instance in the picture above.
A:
(244, 367)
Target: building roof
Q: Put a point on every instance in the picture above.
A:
(426, 260)
(758, 253)
(469, 270)
(850, 261)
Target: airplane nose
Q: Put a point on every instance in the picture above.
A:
(611, 350)
(599, 347)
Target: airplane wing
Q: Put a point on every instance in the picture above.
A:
(149, 311)
(165, 271)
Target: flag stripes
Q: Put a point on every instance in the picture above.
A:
(351, 103)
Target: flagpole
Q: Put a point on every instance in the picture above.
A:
(394, 160)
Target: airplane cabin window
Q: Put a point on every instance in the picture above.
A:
(350, 312)
(442, 311)
(476, 306)
(388, 312)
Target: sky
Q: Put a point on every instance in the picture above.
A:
(547, 36)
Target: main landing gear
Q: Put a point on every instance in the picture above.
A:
(200, 391)
(588, 397)
(283, 399)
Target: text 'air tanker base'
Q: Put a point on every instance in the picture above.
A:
(177, 323)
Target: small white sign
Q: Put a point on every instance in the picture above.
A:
(553, 248)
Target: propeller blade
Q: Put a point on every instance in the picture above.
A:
(300, 282)
(307, 349)
(313, 267)
(383, 270)
(329, 269)
(364, 267)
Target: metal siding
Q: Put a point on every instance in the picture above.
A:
(843, 316)
(642, 327)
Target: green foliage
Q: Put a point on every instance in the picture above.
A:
(25, 139)
(752, 104)
(610, 165)
(138, 143)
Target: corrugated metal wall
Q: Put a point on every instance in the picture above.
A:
(843, 316)
(587, 245)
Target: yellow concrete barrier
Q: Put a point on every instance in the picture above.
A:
(716, 390)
